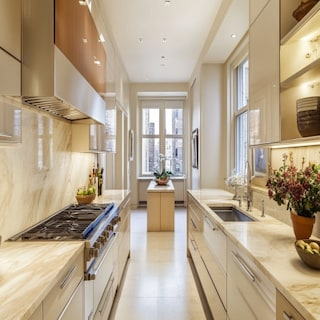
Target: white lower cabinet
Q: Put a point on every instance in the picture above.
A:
(65, 300)
(208, 260)
(250, 295)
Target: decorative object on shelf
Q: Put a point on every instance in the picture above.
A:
(299, 189)
(161, 174)
(308, 116)
(308, 251)
(236, 180)
(195, 148)
(304, 7)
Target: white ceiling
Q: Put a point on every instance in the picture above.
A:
(195, 30)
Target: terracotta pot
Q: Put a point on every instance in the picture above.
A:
(162, 181)
(302, 226)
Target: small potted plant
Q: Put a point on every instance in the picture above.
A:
(299, 189)
(162, 175)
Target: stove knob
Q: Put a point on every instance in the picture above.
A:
(105, 233)
(94, 252)
(97, 245)
(102, 240)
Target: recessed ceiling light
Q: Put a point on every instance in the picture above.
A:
(82, 2)
(84, 40)
(164, 40)
(233, 35)
(140, 40)
(167, 2)
(163, 57)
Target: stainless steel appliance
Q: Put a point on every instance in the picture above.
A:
(96, 225)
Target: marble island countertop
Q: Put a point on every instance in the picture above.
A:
(270, 244)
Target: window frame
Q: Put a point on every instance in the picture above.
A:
(163, 105)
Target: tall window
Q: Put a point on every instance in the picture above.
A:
(241, 115)
(162, 133)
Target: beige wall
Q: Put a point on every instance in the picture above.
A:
(209, 115)
(33, 186)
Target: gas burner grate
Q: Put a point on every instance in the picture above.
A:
(72, 223)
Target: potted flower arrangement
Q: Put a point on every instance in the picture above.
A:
(162, 175)
(299, 189)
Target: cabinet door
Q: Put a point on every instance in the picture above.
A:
(77, 37)
(167, 211)
(10, 27)
(74, 309)
(264, 118)
(154, 211)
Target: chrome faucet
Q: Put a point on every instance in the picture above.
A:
(262, 208)
(249, 200)
(240, 202)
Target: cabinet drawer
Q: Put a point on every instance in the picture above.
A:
(250, 295)
(216, 307)
(285, 310)
(60, 294)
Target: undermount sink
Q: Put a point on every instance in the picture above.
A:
(230, 214)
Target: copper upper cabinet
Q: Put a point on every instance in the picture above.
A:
(77, 37)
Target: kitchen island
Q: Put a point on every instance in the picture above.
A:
(160, 206)
(269, 244)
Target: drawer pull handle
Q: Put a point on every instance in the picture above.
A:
(195, 247)
(285, 316)
(68, 277)
(244, 267)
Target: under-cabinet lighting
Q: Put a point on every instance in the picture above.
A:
(82, 2)
(296, 144)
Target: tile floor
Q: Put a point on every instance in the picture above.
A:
(159, 283)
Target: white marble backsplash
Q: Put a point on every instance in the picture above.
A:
(40, 175)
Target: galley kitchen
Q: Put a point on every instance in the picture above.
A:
(136, 142)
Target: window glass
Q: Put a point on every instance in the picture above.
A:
(150, 121)
(174, 121)
(174, 155)
(150, 155)
(241, 116)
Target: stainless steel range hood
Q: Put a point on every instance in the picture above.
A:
(50, 82)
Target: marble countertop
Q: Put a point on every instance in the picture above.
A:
(270, 244)
(29, 270)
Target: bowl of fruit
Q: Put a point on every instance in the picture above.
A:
(309, 252)
(85, 195)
